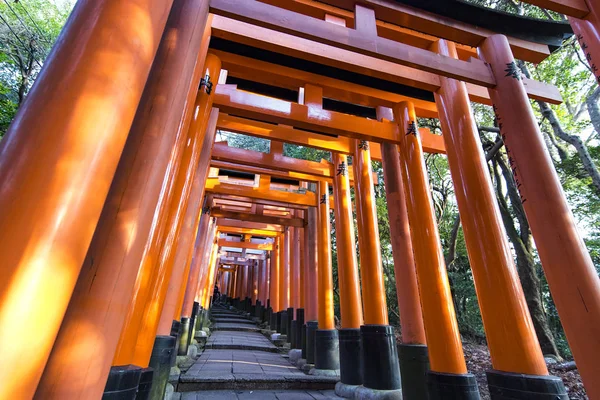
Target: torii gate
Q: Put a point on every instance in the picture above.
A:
(105, 168)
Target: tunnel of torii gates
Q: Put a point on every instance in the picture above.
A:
(120, 213)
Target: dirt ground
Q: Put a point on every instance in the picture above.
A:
(478, 361)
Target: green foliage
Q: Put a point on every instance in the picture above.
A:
(28, 30)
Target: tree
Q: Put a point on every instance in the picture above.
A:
(28, 31)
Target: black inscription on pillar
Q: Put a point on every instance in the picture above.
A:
(511, 161)
(363, 145)
(323, 199)
(412, 128)
(513, 71)
(342, 169)
(206, 84)
(588, 57)
(206, 210)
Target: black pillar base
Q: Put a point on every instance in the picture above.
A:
(196, 310)
(278, 322)
(299, 328)
(160, 362)
(509, 386)
(442, 386)
(176, 332)
(350, 364)
(311, 329)
(414, 365)
(327, 349)
(122, 382)
(303, 341)
(379, 357)
(185, 338)
(283, 325)
(292, 334)
(290, 314)
(197, 323)
(273, 321)
(145, 385)
(258, 309)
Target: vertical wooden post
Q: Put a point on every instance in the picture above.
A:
(199, 249)
(371, 270)
(407, 290)
(349, 284)
(587, 31)
(110, 269)
(275, 276)
(255, 281)
(182, 257)
(508, 326)
(284, 289)
(311, 260)
(575, 290)
(295, 267)
(137, 336)
(443, 339)
(325, 281)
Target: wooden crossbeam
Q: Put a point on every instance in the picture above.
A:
(431, 143)
(442, 27)
(248, 228)
(364, 41)
(284, 43)
(276, 164)
(220, 213)
(214, 186)
(290, 78)
(397, 33)
(245, 245)
(222, 152)
(260, 201)
(253, 106)
(237, 165)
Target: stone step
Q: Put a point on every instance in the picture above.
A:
(234, 327)
(234, 321)
(260, 395)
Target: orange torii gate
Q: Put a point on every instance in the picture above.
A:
(107, 210)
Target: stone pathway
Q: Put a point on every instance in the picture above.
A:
(261, 395)
(238, 362)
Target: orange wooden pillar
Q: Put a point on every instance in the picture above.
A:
(575, 290)
(204, 254)
(139, 331)
(274, 278)
(412, 352)
(284, 288)
(326, 355)
(587, 31)
(295, 268)
(509, 329)
(186, 317)
(302, 256)
(374, 302)
(311, 282)
(443, 339)
(311, 265)
(378, 349)
(185, 246)
(349, 284)
(256, 282)
(109, 271)
(210, 282)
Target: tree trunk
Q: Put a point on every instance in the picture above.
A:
(591, 102)
(526, 266)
